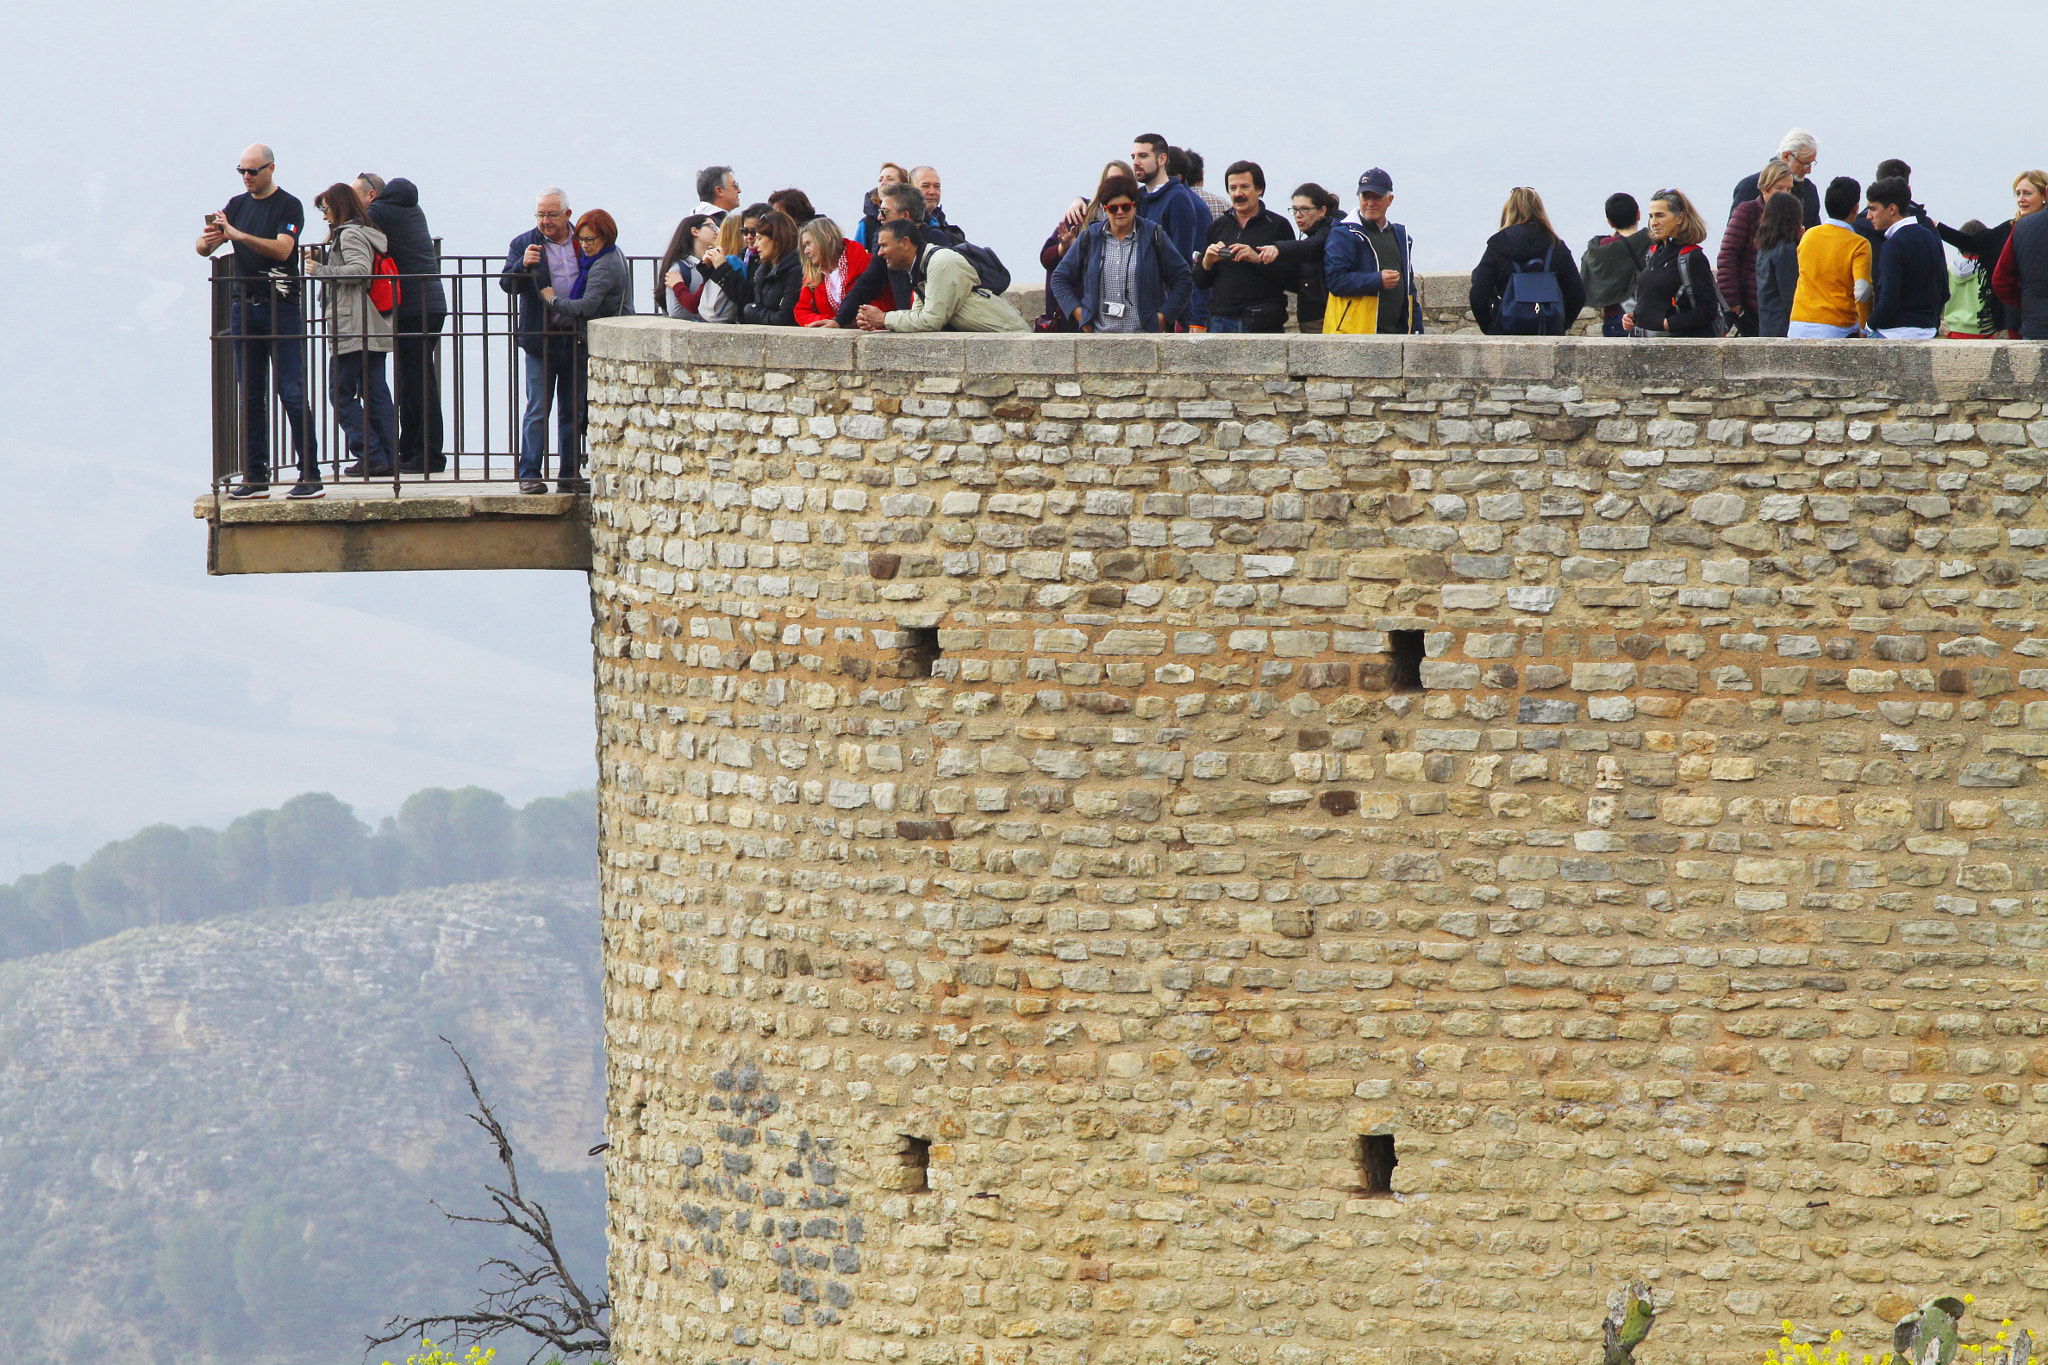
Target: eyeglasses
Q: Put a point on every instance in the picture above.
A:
(1304, 208)
(750, 232)
(254, 170)
(589, 237)
(548, 217)
(1120, 208)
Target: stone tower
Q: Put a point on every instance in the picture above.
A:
(1303, 851)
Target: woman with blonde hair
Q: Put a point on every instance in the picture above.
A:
(1675, 294)
(2029, 194)
(1735, 272)
(871, 203)
(1526, 284)
(714, 304)
(831, 265)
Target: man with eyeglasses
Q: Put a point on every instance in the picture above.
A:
(544, 253)
(267, 317)
(1798, 150)
(900, 203)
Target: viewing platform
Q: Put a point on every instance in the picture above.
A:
(372, 528)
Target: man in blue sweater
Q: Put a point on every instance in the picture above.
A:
(1912, 276)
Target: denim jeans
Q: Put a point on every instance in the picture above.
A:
(359, 379)
(553, 373)
(1220, 324)
(1610, 324)
(270, 346)
(1264, 318)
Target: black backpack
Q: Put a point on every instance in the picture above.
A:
(995, 277)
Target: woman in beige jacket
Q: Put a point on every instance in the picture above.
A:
(359, 332)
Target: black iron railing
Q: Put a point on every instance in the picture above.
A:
(470, 372)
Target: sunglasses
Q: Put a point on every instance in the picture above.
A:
(1120, 209)
(750, 232)
(254, 170)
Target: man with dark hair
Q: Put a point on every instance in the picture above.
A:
(718, 192)
(899, 203)
(1611, 263)
(267, 317)
(1912, 276)
(945, 289)
(1178, 211)
(394, 209)
(1191, 161)
(1890, 169)
(1240, 262)
(1834, 292)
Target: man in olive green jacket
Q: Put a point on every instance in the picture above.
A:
(946, 292)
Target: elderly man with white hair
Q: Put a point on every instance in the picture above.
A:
(1798, 150)
(544, 255)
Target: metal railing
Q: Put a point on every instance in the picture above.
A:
(470, 381)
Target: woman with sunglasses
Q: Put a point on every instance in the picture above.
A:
(1122, 275)
(767, 292)
(735, 235)
(681, 287)
(601, 289)
(1065, 233)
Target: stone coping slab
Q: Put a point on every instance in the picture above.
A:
(429, 507)
(1911, 368)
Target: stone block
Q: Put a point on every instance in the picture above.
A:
(912, 352)
(1116, 354)
(1463, 357)
(1345, 357)
(1020, 353)
(1234, 353)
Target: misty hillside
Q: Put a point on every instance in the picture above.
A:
(217, 1138)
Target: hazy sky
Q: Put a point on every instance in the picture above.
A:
(133, 688)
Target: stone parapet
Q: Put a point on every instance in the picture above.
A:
(1062, 796)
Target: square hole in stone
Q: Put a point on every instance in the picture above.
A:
(916, 1157)
(1376, 1162)
(1404, 660)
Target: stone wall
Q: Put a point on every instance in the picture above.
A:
(1034, 861)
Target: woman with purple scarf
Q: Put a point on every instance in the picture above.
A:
(602, 289)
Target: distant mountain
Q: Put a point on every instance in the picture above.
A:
(217, 1138)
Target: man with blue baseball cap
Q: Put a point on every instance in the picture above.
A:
(1368, 267)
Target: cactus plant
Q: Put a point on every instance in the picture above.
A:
(1630, 1312)
(1927, 1336)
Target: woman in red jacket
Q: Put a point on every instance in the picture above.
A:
(831, 265)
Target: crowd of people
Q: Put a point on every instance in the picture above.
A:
(1150, 249)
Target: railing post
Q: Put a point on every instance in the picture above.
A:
(227, 407)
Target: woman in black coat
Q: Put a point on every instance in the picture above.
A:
(1675, 293)
(1525, 244)
(1316, 211)
(768, 292)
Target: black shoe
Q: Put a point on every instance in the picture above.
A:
(245, 489)
(572, 486)
(303, 490)
(437, 465)
(533, 485)
(378, 471)
(354, 471)
(412, 464)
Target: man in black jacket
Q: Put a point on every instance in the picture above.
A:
(1912, 277)
(1888, 169)
(900, 201)
(1241, 266)
(1799, 150)
(394, 207)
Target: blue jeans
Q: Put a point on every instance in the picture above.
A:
(359, 376)
(270, 345)
(1610, 324)
(1223, 324)
(554, 372)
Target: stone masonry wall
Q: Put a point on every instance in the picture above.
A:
(1011, 745)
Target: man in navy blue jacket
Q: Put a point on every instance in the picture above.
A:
(1912, 276)
(1178, 210)
(1372, 259)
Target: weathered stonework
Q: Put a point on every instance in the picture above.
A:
(1003, 747)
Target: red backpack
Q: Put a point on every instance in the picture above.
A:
(384, 284)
